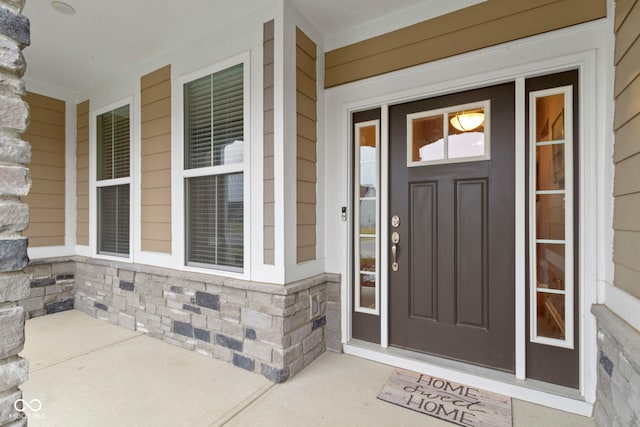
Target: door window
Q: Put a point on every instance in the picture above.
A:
(448, 135)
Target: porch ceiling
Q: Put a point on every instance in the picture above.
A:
(76, 53)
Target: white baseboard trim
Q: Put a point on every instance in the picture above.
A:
(625, 305)
(513, 388)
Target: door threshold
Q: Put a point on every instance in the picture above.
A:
(533, 391)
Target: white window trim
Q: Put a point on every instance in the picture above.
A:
(568, 242)
(356, 218)
(94, 183)
(486, 105)
(179, 173)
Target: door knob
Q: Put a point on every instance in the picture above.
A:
(395, 238)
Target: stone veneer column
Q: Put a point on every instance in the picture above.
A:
(15, 181)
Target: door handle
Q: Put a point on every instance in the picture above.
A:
(395, 238)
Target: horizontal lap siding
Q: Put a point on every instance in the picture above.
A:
(306, 124)
(156, 160)
(476, 27)
(46, 199)
(626, 221)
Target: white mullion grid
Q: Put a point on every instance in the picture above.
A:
(214, 170)
(356, 215)
(113, 182)
(568, 292)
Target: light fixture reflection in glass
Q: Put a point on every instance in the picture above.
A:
(466, 122)
(62, 7)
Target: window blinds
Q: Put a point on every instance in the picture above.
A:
(214, 110)
(113, 144)
(113, 219)
(214, 135)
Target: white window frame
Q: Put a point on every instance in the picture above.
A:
(356, 217)
(568, 242)
(94, 183)
(486, 105)
(244, 167)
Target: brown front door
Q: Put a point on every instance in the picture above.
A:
(453, 292)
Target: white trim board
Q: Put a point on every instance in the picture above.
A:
(625, 305)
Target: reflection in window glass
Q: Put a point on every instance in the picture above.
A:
(366, 192)
(449, 134)
(551, 217)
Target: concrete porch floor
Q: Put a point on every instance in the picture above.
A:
(87, 372)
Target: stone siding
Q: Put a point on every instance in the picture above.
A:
(618, 395)
(259, 327)
(52, 289)
(15, 182)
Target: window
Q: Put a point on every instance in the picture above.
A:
(214, 108)
(367, 183)
(449, 135)
(113, 181)
(551, 216)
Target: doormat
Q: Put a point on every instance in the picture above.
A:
(457, 403)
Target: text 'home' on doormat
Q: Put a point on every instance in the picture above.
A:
(446, 400)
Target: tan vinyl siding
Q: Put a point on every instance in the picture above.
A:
(476, 27)
(156, 160)
(46, 199)
(269, 200)
(306, 122)
(626, 221)
(82, 173)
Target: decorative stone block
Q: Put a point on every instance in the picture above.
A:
(207, 300)
(13, 252)
(228, 342)
(13, 374)
(274, 374)
(11, 58)
(127, 321)
(39, 283)
(256, 319)
(14, 287)
(59, 306)
(100, 306)
(14, 216)
(250, 334)
(318, 323)
(11, 331)
(191, 308)
(243, 362)
(202, 334)
(14, 112)
(176, 289)
(15, 25)
(182, 328)
(8, 412)
(126, 286)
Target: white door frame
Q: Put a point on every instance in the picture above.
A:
(584, 47)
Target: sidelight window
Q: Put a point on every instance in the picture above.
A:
(551, 217)
(367, 230)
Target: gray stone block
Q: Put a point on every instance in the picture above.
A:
(312, 341)
(11, 58)
(127, 321)
(191, 308)
(11, 331)
(202, 334)
(59, 306)
(255, 319)
(230, 343)
(8, 412)
(318, 323)
(53, 290)
(14, 113)
(40, 283)
(14, 216)
(273, 374)
(182, 328)
(258, 351)
(13, 374)
(13, 252)
(250, 334)
(207, 300)
(14, 287)
(100, 306)
(32, 304)
(126, 286)
(243, 362)
(15, 25)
